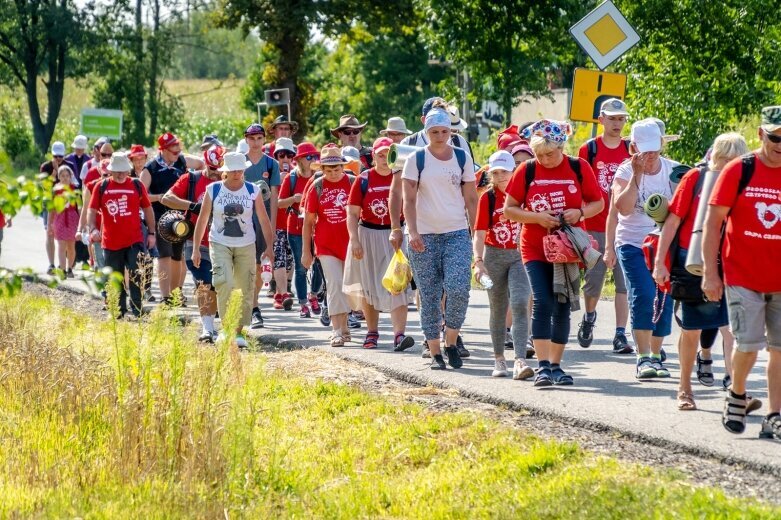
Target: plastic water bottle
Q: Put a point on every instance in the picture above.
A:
(85, 238)
(485, 281)
(266, 273)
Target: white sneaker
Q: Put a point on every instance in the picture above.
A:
(220, 337)
(521, 370)
(241, 342)
(500, 368)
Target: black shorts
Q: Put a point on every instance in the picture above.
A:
(168, 250)
(260, 240)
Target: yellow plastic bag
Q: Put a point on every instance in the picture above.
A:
(398, 275)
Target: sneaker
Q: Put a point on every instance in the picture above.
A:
(500, 368)
(304, 312)
(50, 270)
(257, 320)
(462, 351)
(621, 344)
(726, 382)
(241, 341)
(645, 369)
(359, 315)
(278, 301)
(325, 319)
(206, 337)
(530, 352)
(438, 363)
(426, 352)
(150, 297)
(661, 370)
(314, 305)
(453, 357)
(663, 354)
(221, 337)
(287, 301)
(586, 331)
(508, 341)
(352, 321)
(321, 296)
(69, 273)
(402, 343)
(521, 370)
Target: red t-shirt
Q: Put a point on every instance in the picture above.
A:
(2, 220)
(374, 205)
(91, 188)
(182, 190)
(120, 205)
(295, 224)
(752, 245)
(685, 207)
(331, 236)
(504, 233)
(92, 174)
(281, 224)
(554, 189)
(605, 164)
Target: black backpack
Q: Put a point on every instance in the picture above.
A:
(531, 170)
(591, 147)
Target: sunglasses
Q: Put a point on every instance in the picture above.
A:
(286, 155)
(57, 156)
(105, 155)
(312, 157)
(773, 138)
(351, 131)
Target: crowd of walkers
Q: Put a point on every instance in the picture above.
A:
(534, 226)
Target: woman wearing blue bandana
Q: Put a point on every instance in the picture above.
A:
(439, 193)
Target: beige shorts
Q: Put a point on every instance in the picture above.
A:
(338, 301)
(754, 318)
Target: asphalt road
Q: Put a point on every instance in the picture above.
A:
(606, 395)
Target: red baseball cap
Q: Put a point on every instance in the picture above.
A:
(381, 143)
(167, 140)
(306, 148)
(508, 137)
(137, 150)
(213, 156)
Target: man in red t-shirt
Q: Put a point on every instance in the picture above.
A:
(747, 195)
(186, 197)
(120, 201)
(604, 154)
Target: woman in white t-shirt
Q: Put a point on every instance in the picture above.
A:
(439, 192)
(230, 204)
(647, 173)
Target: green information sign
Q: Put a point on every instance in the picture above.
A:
(99, 122)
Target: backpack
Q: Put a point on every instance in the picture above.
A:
(685, 286)
(591, 147)
(491, 206)
(218, 186)
(748, 165)
(531, 167)
(104, 185)
(317, 185)
(420, 160)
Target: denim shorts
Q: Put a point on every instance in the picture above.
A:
(702, 315)
(203, 273)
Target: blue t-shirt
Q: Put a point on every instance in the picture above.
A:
(266, 169)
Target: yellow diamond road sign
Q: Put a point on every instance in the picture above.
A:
(591, 88)
(604, 34)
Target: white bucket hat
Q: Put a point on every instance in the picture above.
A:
(80, 143)
(396, 124)
(234, 161)
(284, 143)
(58, 148)
(119, 163)
(456, 123)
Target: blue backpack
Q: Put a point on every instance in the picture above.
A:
(420, 161)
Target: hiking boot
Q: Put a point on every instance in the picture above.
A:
(257, 320)
(287, 301)
(438, 363)
(586, 331)
(621, 344)
(353, 322)
(325, 319)
(453, 357)
(304, 312)
(645, 369)
(314, 305)
(500, 368)
(278, 301)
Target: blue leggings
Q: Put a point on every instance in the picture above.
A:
(550, 318)
(641, 289)
(443, 268)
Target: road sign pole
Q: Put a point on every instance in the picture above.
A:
(289, 118)
(594, 130)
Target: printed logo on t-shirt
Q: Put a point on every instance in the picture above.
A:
(380, 208)
(237, 214)
(334, 202)
(768, 213)
(506, 232)
(455, 179)
(117, 207)
(605, 173)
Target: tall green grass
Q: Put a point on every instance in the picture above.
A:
(115, 419)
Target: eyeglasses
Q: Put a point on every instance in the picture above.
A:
(773, 138)
(106, 155)
(285, 155)
(351, 131)
(314, 157)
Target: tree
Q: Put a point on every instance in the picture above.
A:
(511, 49)
(702, 66)
(43, 38)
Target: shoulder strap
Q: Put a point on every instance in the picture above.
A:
(250, 187)
(102, 189)
(216, 190)
(420, 161)
(574, 163)
(748, 165)
(626, 144)
(461, 158)
(491, 206)
(591, 146)
(292, 181)
(365, 183)
(531, 166)
(194, 178)
(137, 184)
(700, 181)
(317, 185)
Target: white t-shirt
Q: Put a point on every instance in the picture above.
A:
(232, 215)
(632, 229)
(421, 139)
(440, 203)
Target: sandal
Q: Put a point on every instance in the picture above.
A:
(371, 340)
(560, 377)
(704, 371)
(734, 415)
(337, 340)
(543, 378)
(686, 401)
(771, 427)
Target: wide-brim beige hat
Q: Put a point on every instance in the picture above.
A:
(234, 161)
(396, 125)
(331, 156)
(348, 121)
(118, 163)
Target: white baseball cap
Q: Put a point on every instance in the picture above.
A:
(647, 136)
(80, 143)
(351, 153)
(501, 160)
(58, 148)
(614, 107)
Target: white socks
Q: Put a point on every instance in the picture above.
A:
(208, 323)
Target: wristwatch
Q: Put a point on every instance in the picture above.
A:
(582, 215)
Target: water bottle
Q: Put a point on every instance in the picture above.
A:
(485, 281)
(85, 237)
(266, 273)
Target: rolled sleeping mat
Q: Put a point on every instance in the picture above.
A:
(657, 207)
(694, 255)
(398, 153)
(175, 227)
(264, 190)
